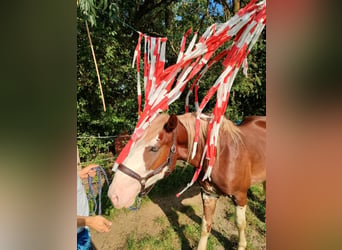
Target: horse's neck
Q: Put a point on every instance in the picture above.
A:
(202, 141)
(200, 146)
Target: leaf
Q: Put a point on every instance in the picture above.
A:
(258, 80)
(105, 5)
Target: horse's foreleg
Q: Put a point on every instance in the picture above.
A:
(209, 205)
(240, 220)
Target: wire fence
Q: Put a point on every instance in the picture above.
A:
(100, 149)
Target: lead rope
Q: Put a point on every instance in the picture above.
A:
(91, 193)
(137, 204)
(99, 171)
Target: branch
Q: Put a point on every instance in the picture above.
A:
(146, 8)
(226, 8)
(207, 14)
(154, 33)
(173, 48)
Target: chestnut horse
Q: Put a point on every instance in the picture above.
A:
(240, 163)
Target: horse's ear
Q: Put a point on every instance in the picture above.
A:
(171, 124)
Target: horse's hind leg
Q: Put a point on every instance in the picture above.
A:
(209, 205)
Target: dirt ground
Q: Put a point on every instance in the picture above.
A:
(176, 213)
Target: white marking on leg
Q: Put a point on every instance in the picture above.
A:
(202, 245)
(240, 220)
(209, 204)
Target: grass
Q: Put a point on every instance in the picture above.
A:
(213, 243)
(169, 239)
(256, 216)
(160, 220)
(165, 240)
(257, 201)
(192, 233)
(186, 236)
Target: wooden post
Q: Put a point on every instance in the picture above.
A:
(97, 71)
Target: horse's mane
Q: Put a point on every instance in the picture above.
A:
(188, 120)
(227, 128)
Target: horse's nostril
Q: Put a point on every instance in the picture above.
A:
(115, 199)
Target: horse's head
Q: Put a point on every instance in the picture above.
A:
(150, 159)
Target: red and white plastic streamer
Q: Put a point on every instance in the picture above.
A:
(160, 90)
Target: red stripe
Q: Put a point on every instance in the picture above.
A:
(248, 8)
(124, 152)
(156, 54)
(184, 39)
(210, 93)
(139, 105)
(196, 93)
(196, 174)
(138, 51)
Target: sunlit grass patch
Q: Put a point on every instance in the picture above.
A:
(166, 240)
(160, 220)
(193, 234)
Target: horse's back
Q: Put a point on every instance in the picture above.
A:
(253, 129)
(257, 121)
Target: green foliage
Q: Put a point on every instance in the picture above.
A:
(90, 8)
(93, 149)
(248, 94)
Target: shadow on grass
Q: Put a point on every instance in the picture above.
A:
(257, 205)
(164, 194)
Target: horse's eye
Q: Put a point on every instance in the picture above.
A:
(154, 149)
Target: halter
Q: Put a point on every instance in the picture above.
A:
(143, 180)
